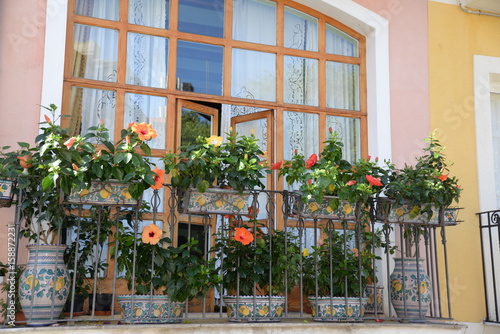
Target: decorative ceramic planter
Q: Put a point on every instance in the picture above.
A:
(265, 309)
(314, 210)
(335, 309)
(104, 193)
(375, 299)
(43, 290)
(77, 305)
(157, 309)
(215, 201)
(410, 288)
(6, 192)
(387, 211)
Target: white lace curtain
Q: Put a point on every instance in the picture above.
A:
(96, 55)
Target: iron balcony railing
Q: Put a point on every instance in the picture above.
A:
(490, 249)
(93, 237)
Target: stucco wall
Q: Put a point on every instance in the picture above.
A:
(408, 66)
(454, 38)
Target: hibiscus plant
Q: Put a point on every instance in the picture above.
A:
(331, 175)
(341, 264)
(235, 163)
(256, 260)
(59, 164)
(427, 185)
(152, 265)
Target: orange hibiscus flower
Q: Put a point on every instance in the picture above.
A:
(443, 177)
(144, 130)
(151, 234)
(68, 143)
(159, 178)
(243, 235)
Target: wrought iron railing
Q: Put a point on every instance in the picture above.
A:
(490, 249)
(93, 241)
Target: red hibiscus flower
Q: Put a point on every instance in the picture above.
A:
(351, 183)
(374, 181)
(276, 165)
(312, 160)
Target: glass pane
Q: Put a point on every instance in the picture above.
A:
(95, 53)
(301, 30)
(300, 133)
(254, 21)
(202, 17)
(147, 58)
(253, 75)
(340, 43)
(301, 81)
(187, 231)
(151, 13)
(149, 109)
(199, 68)
(342, 86)
(348, 130)
(259, 129)
(91, 106)
(101, 9)
(194, 124)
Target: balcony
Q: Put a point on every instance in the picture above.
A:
(95, 243)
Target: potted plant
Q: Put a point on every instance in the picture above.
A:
(58, 166)
(337, 271)
(258, 268)
(10, 169)
(329, 186)
(235, 166)
(417, 196)
(160, 276)
(422, 193)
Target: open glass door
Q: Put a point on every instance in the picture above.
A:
(195, 120)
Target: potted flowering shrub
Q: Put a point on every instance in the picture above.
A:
(422, 193)
(335, 275)
(212, 175)
(57, 166)
(258, 268)
(160, 277)
(329, 186)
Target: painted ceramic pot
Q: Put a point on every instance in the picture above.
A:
(6, 189)
(104, 193)
(335, 309)
(216, 201)
(314, 210)
(375, 299)
(44, 284)
(265, 309)
(410, 288)
(157, 309)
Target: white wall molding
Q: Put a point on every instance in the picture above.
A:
(484, 66)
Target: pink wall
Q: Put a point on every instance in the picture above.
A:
(409, 79)
(22, 29)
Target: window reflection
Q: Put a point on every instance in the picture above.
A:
(202, 17)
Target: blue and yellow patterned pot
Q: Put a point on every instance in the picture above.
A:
(109, 192)
(265, 309)
(375, 299)
(44, 284)
(335, 309)
(411, 291)
(6, 189)
(155, 309)
(216, 201)
(314, 210)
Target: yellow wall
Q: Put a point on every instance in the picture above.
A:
(454, 38)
